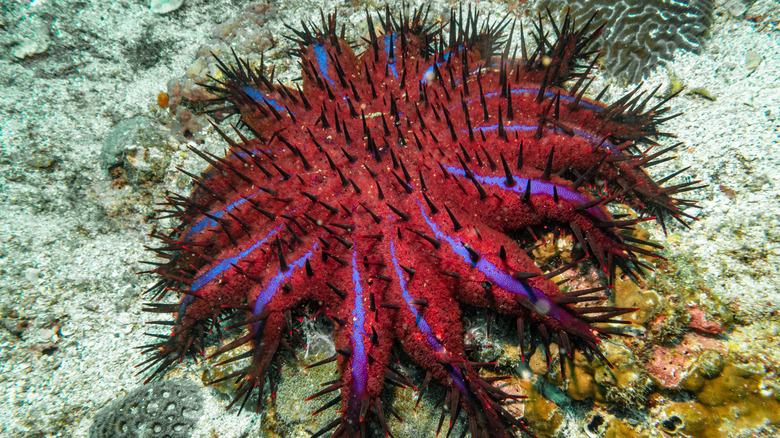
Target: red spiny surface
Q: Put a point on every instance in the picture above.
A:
(385, 192)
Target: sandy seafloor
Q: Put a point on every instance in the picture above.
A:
(70, 242)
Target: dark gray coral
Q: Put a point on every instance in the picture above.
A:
(641, 34)
(161, 409)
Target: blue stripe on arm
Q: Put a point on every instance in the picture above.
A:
(273, 285)
(537, 188)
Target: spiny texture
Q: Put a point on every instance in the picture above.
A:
(642, 34)
(389, 190)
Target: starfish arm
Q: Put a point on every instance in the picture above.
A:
(428, 325)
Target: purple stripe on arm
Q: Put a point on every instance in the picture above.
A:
(359, 356)
(391, 39)
(536, 298)
(208, 222)
(537, 188)
(228, 263)
(578, 132)
(185, 301)
(548, 94)
(273, 284)
(423, 325)
(259, 97)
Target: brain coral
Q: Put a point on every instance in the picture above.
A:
(641, 33)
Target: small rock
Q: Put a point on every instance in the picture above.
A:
(32, 274)
(736, 9)
(48, 348)
(91, 306)
(68, 329)
(700, 323)
(165, 6)
(134, 151)
(49, 336)
(752, 60)
(40, 162)
(16, 328)
(33, 39)
(702, 92)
